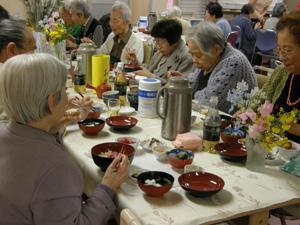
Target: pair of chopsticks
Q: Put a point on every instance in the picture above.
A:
(92, 108)
(118, 163)
(90, 36)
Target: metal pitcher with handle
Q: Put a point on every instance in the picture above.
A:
(176, 109)
(87, 50)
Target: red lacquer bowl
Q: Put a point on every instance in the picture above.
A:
(231, 151)
(201, 184)
(91, 130)
(121, 123)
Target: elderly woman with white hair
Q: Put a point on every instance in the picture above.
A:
(122, 37)
(40, 184)
(219, 66)
(174, 12)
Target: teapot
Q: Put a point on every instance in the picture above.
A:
(87, 50)
(100, 88)
(176, 107)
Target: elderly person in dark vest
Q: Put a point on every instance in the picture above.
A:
(90, 27)
(219, 66)
(33, 93)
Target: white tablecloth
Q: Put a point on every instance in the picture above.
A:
(244, 191)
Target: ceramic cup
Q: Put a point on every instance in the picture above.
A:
(191, 168)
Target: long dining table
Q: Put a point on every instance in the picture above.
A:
(245, 193)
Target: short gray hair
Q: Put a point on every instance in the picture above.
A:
(174, 11)
(279, 9)
(206, 35)
(126, 12)
(13, 31)
(26, 81)
(79, 6)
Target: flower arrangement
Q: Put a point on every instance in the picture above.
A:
(256, 114)
(54, 27)
(38, 9)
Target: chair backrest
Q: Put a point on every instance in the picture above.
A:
(237, 28)
(266, 40)
(148, 52)
(128, 218)
(104, 22)
(232, 37)
(261, 80)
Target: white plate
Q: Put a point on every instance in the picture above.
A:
(126, 110)
(137, 171)
(147, 147)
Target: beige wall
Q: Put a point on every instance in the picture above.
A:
(12, 5)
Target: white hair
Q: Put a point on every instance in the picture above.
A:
(126, 12)
(174, 11)
(78, 6)
(26, 81)
(205, 36)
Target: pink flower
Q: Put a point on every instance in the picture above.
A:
(51, 22)
(251, 114)
(55, 14)
(244, 118)
(266, 109)
(255, 129)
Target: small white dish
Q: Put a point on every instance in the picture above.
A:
(133, 139)
(150, 143)
(126, 110)
(277, 161)
(159, 151)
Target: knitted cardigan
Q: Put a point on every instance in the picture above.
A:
(232, 68)
(276, 83)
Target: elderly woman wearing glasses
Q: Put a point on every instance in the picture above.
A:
(219, 66)
(40, 184)
(172, 52)
(283, 86)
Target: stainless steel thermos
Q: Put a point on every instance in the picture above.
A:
(176, 107)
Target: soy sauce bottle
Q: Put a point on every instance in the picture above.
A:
(121, 83)
(212, 126)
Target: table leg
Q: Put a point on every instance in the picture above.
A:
(259, 218)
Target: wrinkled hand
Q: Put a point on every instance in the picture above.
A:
(257, 25)
(87, 40)
(143, 72)
(173, 73)
(115, 179)
(71, 44)
(85, 102)
(131, 56)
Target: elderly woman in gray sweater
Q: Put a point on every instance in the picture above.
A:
(219, 66)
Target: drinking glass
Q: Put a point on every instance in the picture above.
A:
(75, 111)
(113, 107)
(133, 84)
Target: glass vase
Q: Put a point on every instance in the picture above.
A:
(255, 155)
(58, 50)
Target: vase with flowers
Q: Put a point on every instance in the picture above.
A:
(263, 129)
(56, 32)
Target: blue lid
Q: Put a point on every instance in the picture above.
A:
(150, 80)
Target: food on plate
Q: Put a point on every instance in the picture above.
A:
(126, 141)
(159, 182)
(91, 124)
(152, 143)
(108, 154)
(72, 112)
(160, 150)
(231, 134)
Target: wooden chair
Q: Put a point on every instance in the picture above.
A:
(128, 218)
(261, 80)
(148, 52)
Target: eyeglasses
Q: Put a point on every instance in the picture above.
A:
(160, 43)
(278, 52)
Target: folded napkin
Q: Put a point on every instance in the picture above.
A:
(187, 141)
(292, 167)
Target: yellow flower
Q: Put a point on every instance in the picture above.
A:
(275, 130)
(286, 127)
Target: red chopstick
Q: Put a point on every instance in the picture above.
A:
(90, 36)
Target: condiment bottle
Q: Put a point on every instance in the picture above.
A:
(121, 83)
(79, 76)
(211, 127)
